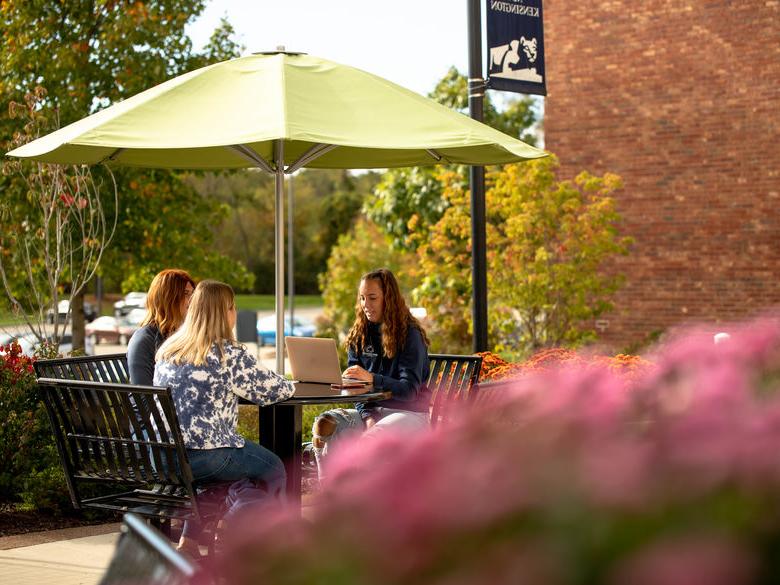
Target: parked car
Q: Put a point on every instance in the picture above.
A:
(266, 329)
(66, 345)
(132, 300)
(130, 323)
(29, 343)
(104, 329)
(6, 338)
(25, 340)
(115, 330)
(90, 312)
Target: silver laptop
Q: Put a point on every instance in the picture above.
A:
(316, 360)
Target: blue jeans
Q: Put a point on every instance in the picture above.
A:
(259, 475)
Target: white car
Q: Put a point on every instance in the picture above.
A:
(132, 300)
(103, 329)
(29, 343)
(90, 312)
(66, 345)
(115, 329)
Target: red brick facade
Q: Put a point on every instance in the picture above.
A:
(682, 99)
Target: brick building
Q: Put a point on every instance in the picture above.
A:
(682, 99)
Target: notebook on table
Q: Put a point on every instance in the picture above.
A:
(316, 360)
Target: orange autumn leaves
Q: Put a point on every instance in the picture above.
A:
(496, 368)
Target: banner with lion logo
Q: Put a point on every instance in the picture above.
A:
(516, 46)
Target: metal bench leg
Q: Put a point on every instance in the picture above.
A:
(163, 525)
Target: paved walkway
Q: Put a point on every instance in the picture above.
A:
(58, 557)
(71, 556)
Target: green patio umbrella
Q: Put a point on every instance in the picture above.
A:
(280, 112)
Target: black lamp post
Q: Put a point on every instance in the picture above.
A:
(477, 179)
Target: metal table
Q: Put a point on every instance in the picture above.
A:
(281, 428)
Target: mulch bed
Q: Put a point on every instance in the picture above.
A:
(13, 521)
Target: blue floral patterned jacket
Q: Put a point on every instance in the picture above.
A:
(206, 397)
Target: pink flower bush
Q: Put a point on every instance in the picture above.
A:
(574, 475)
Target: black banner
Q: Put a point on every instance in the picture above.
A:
(515, 46)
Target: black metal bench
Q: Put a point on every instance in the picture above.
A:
(452, 382)
(126, 437)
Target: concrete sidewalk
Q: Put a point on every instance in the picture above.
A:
(73, 556)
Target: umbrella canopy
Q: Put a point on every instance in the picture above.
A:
(196, 121)
(280, 112)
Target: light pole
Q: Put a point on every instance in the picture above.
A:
(477, 180)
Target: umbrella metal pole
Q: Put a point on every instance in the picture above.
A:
(290, 255)
(279, 249)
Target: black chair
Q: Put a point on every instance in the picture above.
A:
(103, 368)
(451, 380)
(125, 437)
(143, 555)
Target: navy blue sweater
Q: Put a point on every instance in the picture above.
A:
(140, 354)
(404, 374)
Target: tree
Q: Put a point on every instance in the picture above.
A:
(548, 243)
(63, 231)
(325, 205)
(517, 118)
(364, 248)
(406, 203)
(90, 54)
(409, 200)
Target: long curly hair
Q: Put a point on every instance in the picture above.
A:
(396, 317)
(163, 301)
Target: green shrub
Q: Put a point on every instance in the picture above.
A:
(43, 489)
(29, 465)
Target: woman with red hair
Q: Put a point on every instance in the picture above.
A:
(166, 305)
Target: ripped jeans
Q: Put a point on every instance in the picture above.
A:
(334, 426)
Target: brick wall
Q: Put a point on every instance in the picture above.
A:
(682, 99)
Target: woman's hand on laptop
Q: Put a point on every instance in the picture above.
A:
(358, 373)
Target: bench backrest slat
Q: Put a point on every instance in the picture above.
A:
(451, 380)
(98, 368)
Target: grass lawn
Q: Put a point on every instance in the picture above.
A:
(247, 419)
(266, 302)
(8, 320)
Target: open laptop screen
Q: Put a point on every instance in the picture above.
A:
(314, 359)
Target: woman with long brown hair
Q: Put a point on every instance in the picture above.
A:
(387, 347)
(166, 305)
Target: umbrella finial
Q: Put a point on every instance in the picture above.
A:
(280, 50)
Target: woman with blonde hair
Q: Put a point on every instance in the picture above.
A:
(387, 347)
(166, 304)
(207, 370)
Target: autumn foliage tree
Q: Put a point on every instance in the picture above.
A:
(548, 243)
(408, 201)
(364, 248)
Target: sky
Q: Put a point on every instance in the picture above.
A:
(410, 42)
